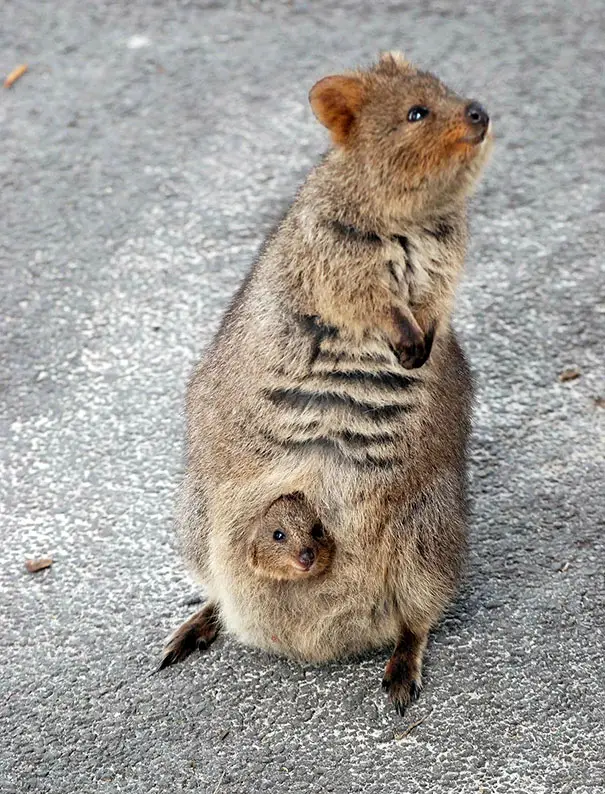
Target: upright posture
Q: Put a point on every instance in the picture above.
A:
(336, 374)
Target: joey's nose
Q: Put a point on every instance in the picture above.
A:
(306, 557)
(477, 115)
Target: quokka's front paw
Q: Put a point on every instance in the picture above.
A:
(412, 344)
(197, 633)
(414, 350)
(413, 355)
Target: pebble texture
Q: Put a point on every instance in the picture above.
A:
(144, 155)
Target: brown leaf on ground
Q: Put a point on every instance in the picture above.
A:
(38, 565)
(12, 78)
(569, 374)
(599, 402)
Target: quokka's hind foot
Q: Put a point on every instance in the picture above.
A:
(196, 633)
(402, 678)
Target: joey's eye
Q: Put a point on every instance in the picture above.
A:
(279, 536)
(317, 532)
(417, 113)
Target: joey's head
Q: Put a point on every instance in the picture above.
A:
(288, 541)
(405, 139)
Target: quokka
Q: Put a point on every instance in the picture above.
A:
(336, 374)
(288, 541)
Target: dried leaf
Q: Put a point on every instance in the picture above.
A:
(569, 374)
(599, 402)
(38, 565)
(12, 78)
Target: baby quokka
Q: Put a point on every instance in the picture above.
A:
(336, 374)
(288, 541)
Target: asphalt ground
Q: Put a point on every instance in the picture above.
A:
(143, 157)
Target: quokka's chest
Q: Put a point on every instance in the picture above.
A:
(424, 265)
(352, 405)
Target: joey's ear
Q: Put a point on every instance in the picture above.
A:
(295, 496)
(336, 101)
(252, 555)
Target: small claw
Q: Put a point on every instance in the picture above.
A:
(400, 707)
(414, 357)
(415, 690)
(167, 660)
(170, 657)
(415, 354)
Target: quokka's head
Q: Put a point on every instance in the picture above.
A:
(288, 541)
(408, 136)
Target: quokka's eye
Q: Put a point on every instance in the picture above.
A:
(417, 113)
(279, 536)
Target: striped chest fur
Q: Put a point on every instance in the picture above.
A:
(350, 406)
(348, 398)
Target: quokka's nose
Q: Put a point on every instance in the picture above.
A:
(306, 557)
(477, 114)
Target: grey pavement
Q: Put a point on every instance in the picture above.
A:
(144, 155)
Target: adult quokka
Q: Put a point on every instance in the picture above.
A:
(336, 374)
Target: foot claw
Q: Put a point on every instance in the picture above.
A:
(402, 689)
(415, 690)
(167, 660)
(400, 707)
(173, 654)
(402, 676)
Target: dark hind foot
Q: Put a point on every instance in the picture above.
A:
(402, 678)
(197, 633)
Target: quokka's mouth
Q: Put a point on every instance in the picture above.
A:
(301, 567)
(477, 138)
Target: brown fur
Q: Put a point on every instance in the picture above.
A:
(336, 102)
(196, 633)
(305, 549)
(336, 373)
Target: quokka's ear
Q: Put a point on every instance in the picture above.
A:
(336, 101)
(393, 62)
